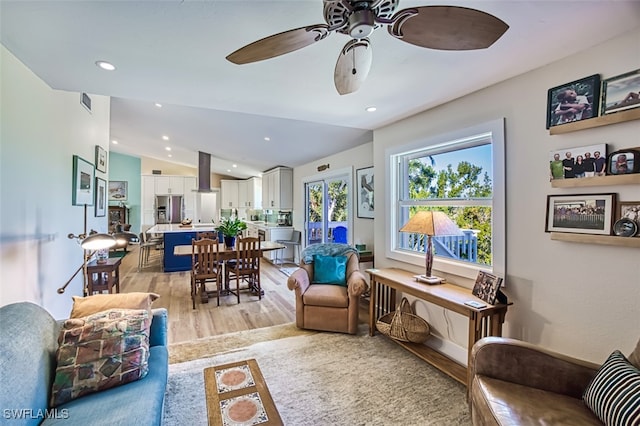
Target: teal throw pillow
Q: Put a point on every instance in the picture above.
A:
(330, 270)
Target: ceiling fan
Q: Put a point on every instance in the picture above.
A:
(435, 27)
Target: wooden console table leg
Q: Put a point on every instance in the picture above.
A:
(372, 303)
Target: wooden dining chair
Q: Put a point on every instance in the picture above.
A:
(246, 265)
(210, 235)
(205, 267)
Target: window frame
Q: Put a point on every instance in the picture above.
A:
(495, 130)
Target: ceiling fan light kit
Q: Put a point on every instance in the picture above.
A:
(433, 27)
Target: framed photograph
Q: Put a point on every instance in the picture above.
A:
(101, 159)
(580, 214)
(573, 101)
(623, 162)
(621, 92)
(578, 162)
(487, 286)
(364, 182)
(117, 190)
(630, 210)
(101, 197)
(83, 174)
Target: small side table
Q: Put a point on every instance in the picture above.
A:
(103, 276)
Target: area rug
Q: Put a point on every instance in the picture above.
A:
(237, 394)
(330, 379)
(209, 346)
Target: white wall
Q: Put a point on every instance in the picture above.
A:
(578, 299)
(355, 158)
(41, 129)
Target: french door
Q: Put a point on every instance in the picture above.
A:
(328, 206)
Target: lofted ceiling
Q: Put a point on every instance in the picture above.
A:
(173, 53)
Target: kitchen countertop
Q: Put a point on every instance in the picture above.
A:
(205, 227)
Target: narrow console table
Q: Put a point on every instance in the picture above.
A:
(483, 322)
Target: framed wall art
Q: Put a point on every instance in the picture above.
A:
(630, 210)
(580, 214)
(117, 190)
(624, 161)
(101, 197)
(578, 162)
(574, 101)
(83, 174)
(364, 183)
(621, 92)
(101, 159)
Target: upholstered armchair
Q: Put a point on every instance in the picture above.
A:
(518, 383)
(332, 303)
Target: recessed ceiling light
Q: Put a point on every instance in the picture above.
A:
(105, 65)
(235, 165)
(115, 142)
(371, 109)
(168, 148)
(228, 171)
(267, 138)
(165, 137)
(169, 155)
(158, 105)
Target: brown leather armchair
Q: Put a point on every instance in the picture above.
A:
(328, 307)
(518, 383)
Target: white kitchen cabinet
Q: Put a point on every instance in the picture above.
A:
(277, 189)
(169, 185)
(250, 193)
(190, 198)
(242, 193)
(228, 194)
(148, 200)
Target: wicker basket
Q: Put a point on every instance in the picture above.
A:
(404, 325)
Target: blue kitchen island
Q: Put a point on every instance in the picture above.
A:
(177, 235)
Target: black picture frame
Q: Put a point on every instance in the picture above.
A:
(487, 286)
(101, 197)
(581, 213)
(82, 191)
(623, 162)
(620, 93)
(364, 192)
(587, 91)
(101, 159)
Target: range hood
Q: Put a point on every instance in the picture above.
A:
(204, 172)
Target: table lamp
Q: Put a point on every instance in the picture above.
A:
(430, 223)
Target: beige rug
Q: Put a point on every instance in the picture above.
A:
(210, 346)
(330, 379)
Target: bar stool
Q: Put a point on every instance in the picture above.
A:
(295, 241)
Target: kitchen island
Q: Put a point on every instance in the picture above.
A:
(178, 235)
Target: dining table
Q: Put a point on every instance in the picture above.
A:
(226, 253)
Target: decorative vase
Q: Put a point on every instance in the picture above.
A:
(229, 242)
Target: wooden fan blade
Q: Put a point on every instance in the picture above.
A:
(447, 27)
(279, 44)
(353, 66)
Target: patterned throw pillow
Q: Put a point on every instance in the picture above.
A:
(614, 393)
(330, 270)
(101, 351)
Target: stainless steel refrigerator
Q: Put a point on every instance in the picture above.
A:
(168, 208)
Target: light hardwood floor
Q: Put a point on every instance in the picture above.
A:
(276, 307)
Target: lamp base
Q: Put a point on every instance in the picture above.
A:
(429, 280)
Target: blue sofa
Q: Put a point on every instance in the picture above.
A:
(28, 344)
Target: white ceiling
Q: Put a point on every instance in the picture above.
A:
(173, 52)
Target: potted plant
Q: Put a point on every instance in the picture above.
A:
(230, 228)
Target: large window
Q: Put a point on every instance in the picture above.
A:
(462, 175)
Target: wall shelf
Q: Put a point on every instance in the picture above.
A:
(629, 179)
(605, 120)
(608, 240)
